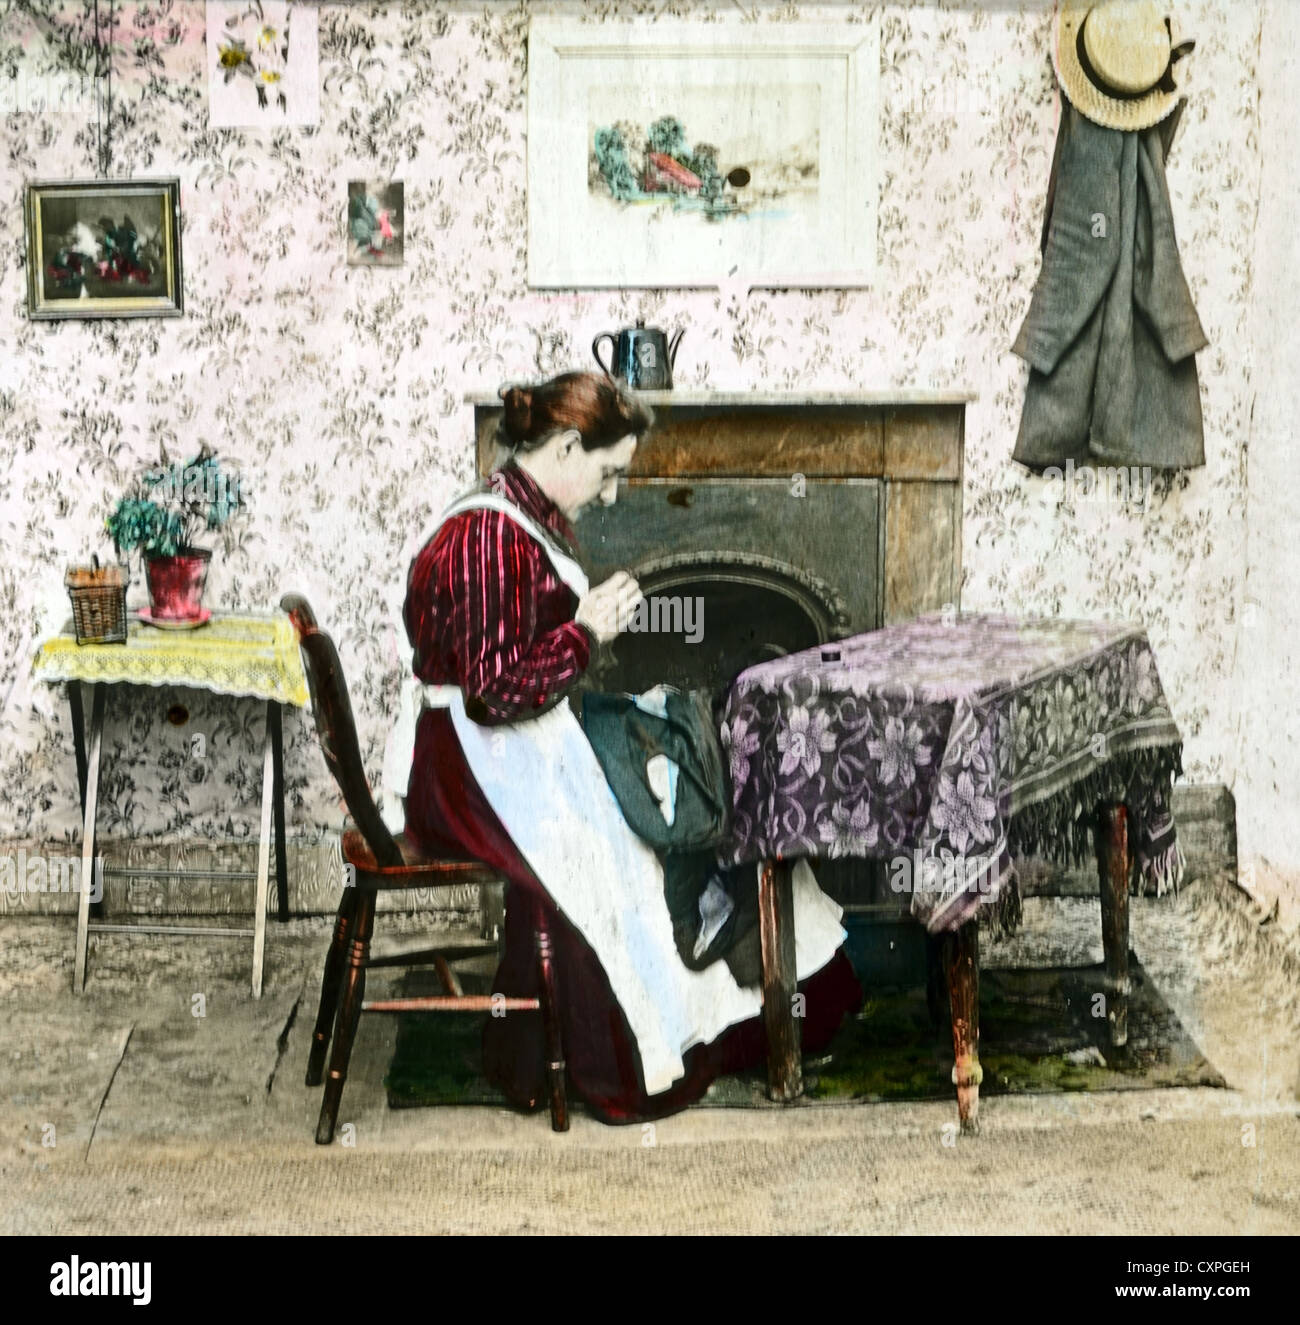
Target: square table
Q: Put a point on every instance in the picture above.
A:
(237, 654)
(941, 746)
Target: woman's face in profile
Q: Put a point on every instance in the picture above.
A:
(616, 461)
(593, 475)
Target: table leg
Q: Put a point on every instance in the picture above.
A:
(1113, 872)
(88, 839)
(79, 748)
(961, 959)
(776, 934)
(78, 737)
(275, 720)
(263, 858)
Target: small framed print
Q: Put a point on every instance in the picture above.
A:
(376, 223)
(104, 248)
(263, 63)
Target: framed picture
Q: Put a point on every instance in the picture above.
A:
(263, 63)
(676, 154)
(376, 223)
(104, 248)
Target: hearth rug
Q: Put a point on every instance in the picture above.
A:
(1037, 1035)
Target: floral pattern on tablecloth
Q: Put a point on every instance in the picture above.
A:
(945, 744)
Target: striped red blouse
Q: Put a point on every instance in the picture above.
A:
(486, 611)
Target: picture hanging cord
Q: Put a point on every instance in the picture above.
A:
(104, 70)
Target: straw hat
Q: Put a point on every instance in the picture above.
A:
(1115, 61)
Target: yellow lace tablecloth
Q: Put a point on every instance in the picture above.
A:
(233, 654)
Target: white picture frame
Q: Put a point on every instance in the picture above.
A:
(792, 106)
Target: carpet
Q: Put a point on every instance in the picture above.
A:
(1037, 1035)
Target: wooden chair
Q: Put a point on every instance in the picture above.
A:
(381, 861)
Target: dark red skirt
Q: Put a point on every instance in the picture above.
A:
(447, 812)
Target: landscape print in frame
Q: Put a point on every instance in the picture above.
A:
(671, 155)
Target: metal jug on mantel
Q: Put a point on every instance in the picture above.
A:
(643, 356)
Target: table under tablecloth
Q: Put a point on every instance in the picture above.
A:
(235, 653)
(950, 743)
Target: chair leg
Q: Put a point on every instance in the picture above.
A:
(345, 1029)
(448, 978)
(329, 988)
(549, 999)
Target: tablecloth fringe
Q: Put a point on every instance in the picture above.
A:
(1060, 828)
(1165, 870)
(1004, 917)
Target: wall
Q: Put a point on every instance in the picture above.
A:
(1267, 674)
(339, 391)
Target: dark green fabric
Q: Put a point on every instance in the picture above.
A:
(625, 739)
(686, 876)
(1112, 332)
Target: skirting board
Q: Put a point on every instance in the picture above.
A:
(1206, 818)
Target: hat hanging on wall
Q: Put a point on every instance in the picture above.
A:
(1115, 61)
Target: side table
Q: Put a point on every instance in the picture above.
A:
(236, 654)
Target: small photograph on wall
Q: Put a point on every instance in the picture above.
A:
(103, 248)
(376, 223)
(263, 63)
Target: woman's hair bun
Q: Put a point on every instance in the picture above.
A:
(518, 420)
(591, 403)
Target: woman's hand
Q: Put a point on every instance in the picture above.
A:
(606, 609)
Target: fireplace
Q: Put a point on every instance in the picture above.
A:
(765, 571)
(790, 520)
(735, 612)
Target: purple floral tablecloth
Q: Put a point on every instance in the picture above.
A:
(947, 744)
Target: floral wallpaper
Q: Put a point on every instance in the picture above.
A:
(338, 391)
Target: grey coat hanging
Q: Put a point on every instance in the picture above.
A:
(1111, 332)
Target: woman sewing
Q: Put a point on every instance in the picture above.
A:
(502, 624)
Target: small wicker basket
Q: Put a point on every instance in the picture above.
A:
(98, 596)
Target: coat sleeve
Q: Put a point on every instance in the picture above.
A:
(1083, 238)
(1160, 287)
(507, 666)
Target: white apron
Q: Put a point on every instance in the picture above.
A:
(543, 780)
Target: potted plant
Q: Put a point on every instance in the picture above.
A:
(163, 515)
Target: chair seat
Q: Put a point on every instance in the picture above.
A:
(419, 869)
